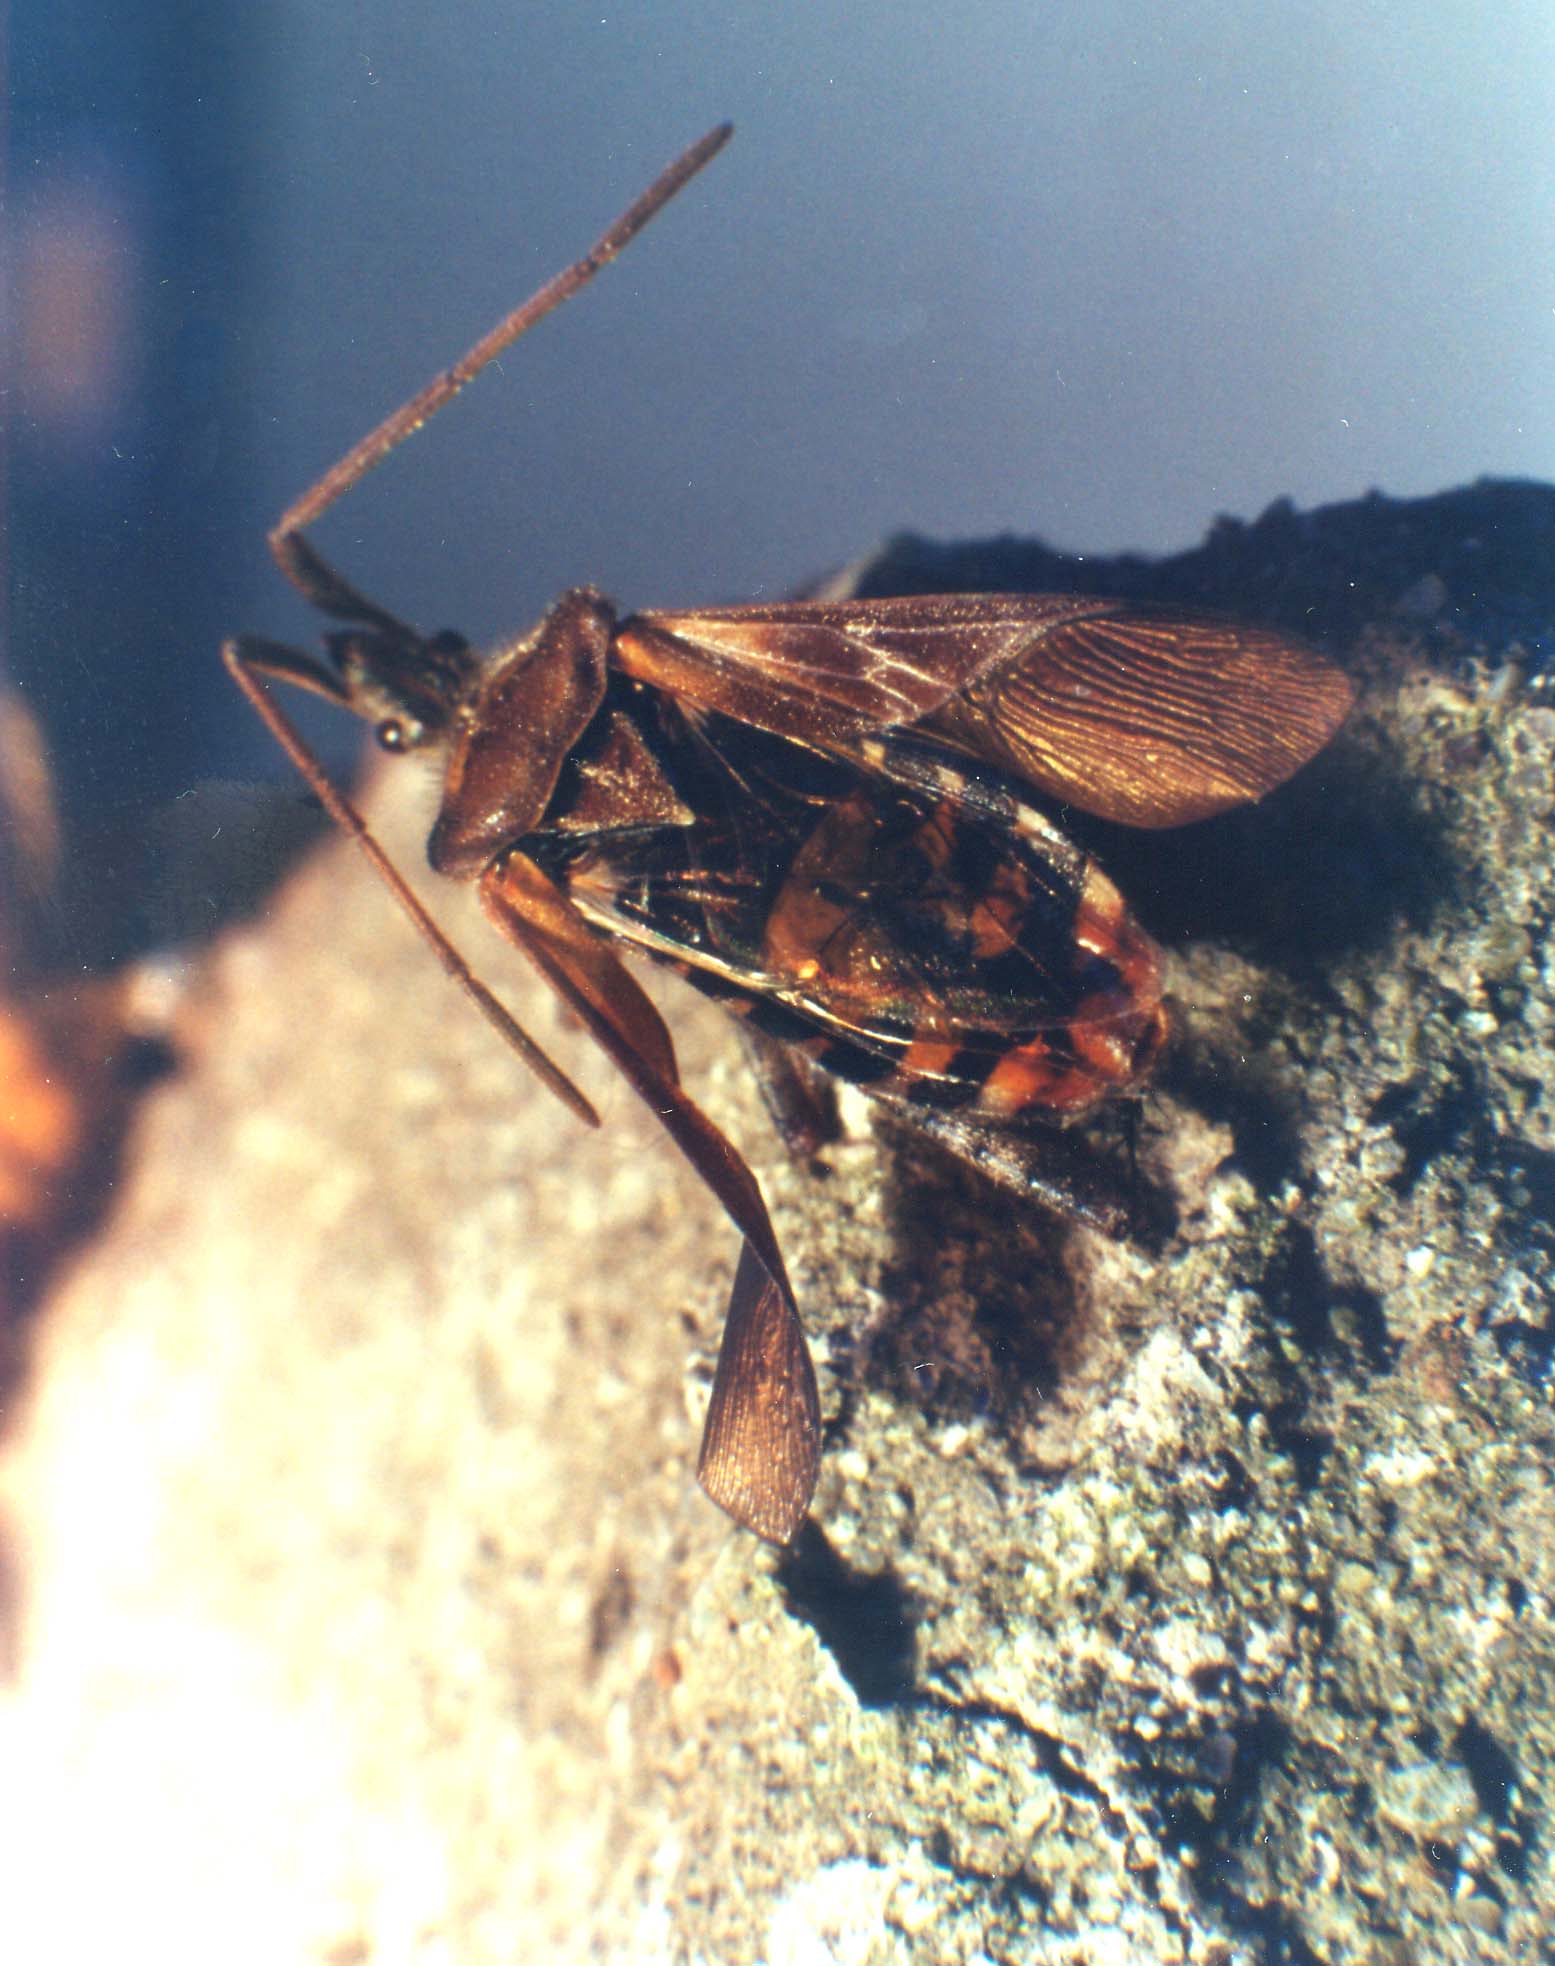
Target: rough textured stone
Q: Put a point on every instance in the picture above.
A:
(1188, 1598)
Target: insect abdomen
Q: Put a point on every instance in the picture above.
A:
(920, 947)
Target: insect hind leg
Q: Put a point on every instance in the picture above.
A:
(1047, 1166)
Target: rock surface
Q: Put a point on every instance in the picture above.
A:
(1190, 1598)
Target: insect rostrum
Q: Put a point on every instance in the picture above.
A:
(821, 813)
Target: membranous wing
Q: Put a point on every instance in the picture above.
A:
(1148, 716)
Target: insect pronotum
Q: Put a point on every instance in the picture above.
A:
(823, 813)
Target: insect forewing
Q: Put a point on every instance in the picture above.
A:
(1147, 716)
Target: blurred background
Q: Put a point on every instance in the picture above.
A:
(1079, 270)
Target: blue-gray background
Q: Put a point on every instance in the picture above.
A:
(1096, 270)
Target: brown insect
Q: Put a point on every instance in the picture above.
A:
(822, 813)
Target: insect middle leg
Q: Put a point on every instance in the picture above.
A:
(801, 1100)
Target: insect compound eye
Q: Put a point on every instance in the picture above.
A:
(392, 735)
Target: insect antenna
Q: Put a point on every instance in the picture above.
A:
(301, 565)
(248, 659)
